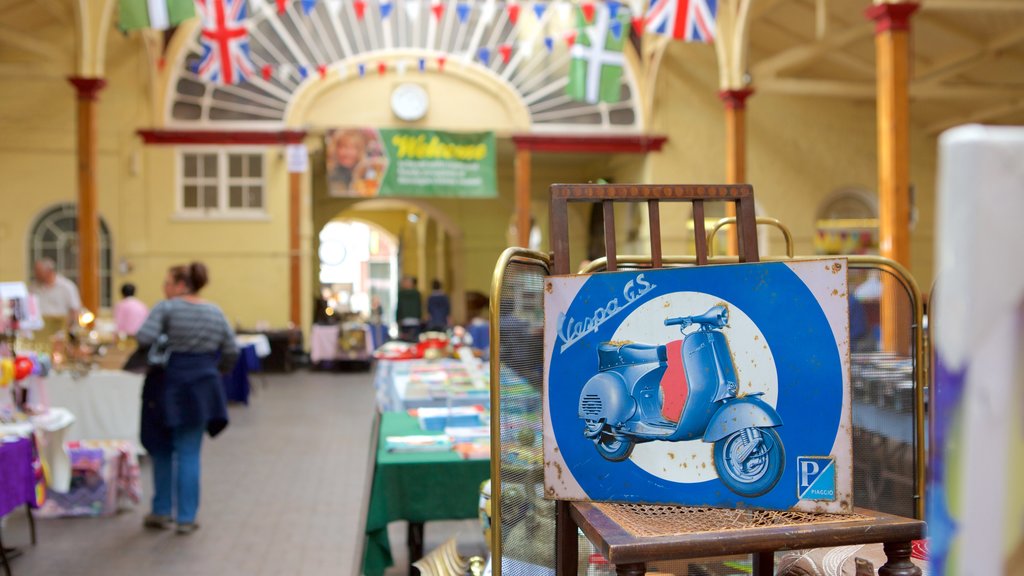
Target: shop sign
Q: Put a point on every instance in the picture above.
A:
(723, 386)
(364, 162)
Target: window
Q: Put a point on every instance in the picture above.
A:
(221, 183)
(55, 236)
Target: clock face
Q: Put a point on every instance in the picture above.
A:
(409, 102)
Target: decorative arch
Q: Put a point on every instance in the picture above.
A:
(54, 235)
(331, 40)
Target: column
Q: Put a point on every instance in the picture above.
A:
(892, 61)
(294, 248)
(735, 149)
(87, 90)
(523, 164)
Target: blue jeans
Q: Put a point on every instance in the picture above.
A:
(176, 476)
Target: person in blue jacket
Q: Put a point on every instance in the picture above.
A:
(183, 399)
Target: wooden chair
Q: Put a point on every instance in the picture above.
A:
(629, 536)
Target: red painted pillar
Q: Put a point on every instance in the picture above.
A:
(892, 61)
(735, 148)
(87, 90)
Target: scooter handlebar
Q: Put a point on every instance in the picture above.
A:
(716, 317)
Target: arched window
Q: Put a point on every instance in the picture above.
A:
(55, 235)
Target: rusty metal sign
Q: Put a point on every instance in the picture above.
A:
(721, 386)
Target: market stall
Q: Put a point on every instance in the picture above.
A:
(433, 449)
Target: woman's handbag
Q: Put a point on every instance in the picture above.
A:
(152, 356)
(159, 352)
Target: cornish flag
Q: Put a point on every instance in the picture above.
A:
(225, 42)
(595, 72)
(156, 14)
(686, 20)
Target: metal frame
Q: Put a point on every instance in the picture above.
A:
(507, 257)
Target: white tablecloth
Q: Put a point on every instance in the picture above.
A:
(259, 341)
(51, 430)
(107, 404)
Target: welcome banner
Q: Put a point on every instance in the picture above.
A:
(364, 162)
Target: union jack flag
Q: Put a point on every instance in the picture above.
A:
(686, 20)
(225, 41)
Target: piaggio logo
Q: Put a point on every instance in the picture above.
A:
(816, 478)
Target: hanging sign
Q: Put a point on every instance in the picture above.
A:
(298, 158)
(722, 386)
(411, 163)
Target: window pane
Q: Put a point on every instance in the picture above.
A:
(209, 165)
(190, 197)
(255, 165)
(209, 196)
(235, 197)
(235, 166)
(255, 199)
(191, 166)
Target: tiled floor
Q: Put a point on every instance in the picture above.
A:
(284, 492)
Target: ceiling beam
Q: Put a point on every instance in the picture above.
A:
(973, 5)
(804, 53)
(983, 115)
(30, 70)
(28, 43)
(962, 61)
(56, 9)
(867, 90)
(811, 87)
(761, 8)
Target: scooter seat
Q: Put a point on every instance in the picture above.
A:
(614, 355)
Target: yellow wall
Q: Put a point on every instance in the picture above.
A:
(247, 259)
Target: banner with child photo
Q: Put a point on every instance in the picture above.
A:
(366, 162)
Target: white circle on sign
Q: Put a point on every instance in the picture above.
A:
(691, 461)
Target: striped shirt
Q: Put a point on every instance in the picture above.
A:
(191, 327)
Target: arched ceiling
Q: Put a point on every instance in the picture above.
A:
(968, 55)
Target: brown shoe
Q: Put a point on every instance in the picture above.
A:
(187, 528)
(158, 522)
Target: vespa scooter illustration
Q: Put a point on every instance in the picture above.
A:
(684, 390)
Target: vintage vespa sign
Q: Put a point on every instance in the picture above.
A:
(713, 386)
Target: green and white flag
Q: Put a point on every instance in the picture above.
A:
(156, 14)
(595, 72)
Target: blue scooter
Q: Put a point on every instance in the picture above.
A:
(684, 390)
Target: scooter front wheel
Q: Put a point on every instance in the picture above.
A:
(750, 461)
(613, 448)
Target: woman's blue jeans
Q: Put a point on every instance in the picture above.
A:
(176, 476)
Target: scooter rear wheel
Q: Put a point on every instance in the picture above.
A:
(613, 448)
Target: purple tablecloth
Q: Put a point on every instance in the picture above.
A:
(17, 484)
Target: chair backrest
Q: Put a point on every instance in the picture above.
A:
(742, 195)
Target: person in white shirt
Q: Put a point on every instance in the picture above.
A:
(58, 296)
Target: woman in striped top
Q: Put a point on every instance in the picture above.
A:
(186, 398)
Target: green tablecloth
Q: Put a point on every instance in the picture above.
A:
(417, 488)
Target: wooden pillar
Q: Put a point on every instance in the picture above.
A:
(87, 90)
(294, 248)
(735, 149)
(523, 161)
(422, 243)
(892, 60)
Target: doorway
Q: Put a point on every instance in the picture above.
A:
(358, 273)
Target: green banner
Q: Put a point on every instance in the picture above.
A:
(411, 163)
